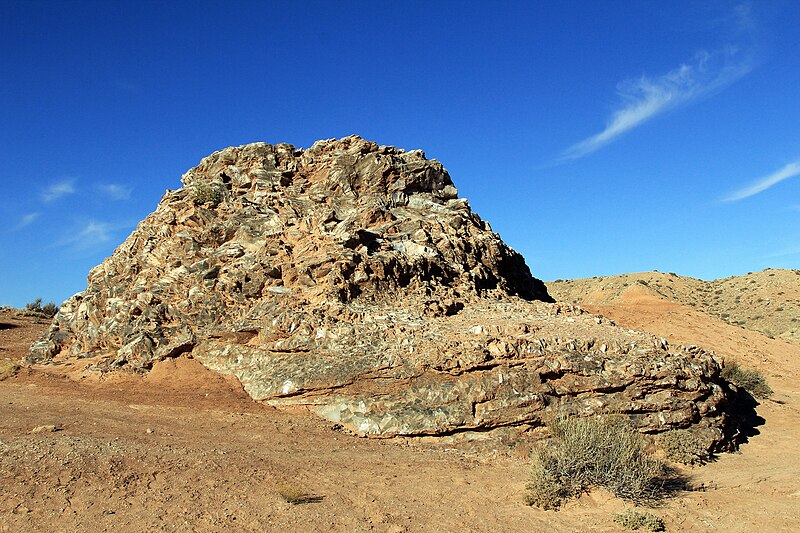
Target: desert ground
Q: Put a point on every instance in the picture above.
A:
(184, 449)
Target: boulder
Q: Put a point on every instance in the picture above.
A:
(350, 278)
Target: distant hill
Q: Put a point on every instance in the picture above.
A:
(767, 302)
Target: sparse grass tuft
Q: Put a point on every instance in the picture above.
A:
(296, 495)
(8, 368)
(684, 446)
(603, 451)
(635, 520)
(749, 379)
(206, 193)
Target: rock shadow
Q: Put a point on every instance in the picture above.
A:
(747, 420)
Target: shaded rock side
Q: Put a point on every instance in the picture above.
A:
(352, 279)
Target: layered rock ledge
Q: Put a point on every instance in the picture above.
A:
(350, 278)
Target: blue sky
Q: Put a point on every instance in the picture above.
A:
(596, 137)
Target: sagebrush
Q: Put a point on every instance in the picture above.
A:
(748, 379)
(206, 193)
(684, 446)
(295, 494)
(49, 309)
(635, 520)
(8, 368)
(602, 451)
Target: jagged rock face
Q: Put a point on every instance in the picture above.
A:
(286, 229)
(350, 278)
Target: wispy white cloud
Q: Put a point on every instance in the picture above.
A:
(27, 220)
(94, 232)
(89, 235)
(786, 252)
(115, 191)
(645, 97)
(57, 190)
(740, 21)
(762, 184)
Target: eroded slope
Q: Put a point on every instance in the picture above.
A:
(766, 301)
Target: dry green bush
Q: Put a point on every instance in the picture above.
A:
(35, 307)
(633, 519)
(748, 379)
(684, 446)
(8, 368)
(603, 451)
(295, 495)
(206, 193)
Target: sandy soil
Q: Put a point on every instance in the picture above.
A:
(767, 301)
(183, 449)
(759, 487)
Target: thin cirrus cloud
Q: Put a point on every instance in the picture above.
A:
(27, 220)
(57, 190)
(115, 191)
(786, 252)
(645, 98)
(762, 184)
(92, 234)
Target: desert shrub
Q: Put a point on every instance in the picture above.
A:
(684, 446)
(749, 379)
(549, 484)
(49, 309)
(8, 368)
(296, 495)
(633, 519)
(34, 306)
(205, 193)
(603, 451)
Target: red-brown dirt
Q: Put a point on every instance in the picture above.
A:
(184, 449)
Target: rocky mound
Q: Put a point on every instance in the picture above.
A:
(350, 278)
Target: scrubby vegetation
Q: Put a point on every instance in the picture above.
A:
(603, 451)
(296, 495)
(635, 520)
(684, 446)
(748, 379)
(205, 193)
(8, 368)
(35, 307)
